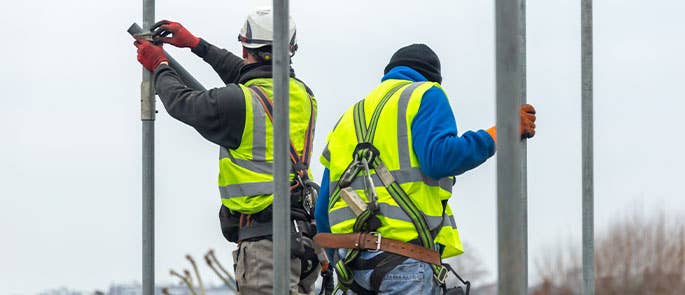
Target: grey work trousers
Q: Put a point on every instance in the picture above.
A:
(253, 262)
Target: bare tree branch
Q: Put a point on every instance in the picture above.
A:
(197, 274)
(185, 280)
(635, 255)
(209, 262)
(218, 264)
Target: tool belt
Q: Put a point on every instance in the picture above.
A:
(255, 230)
(238, 227)
(375, 242)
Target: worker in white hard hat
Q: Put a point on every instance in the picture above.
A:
(237, 117)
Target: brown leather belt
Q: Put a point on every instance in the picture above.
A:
(374, 242)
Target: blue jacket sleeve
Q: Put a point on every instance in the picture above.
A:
(321, 209)
(440, 150)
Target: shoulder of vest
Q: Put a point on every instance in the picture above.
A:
(423, 86)
(426, 85)
(309, 90)
(258, 81)
(269, 81)
(247, 92)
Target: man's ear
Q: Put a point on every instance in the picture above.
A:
(244, 53)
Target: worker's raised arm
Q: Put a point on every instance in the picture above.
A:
(217, 114)
(225, 63)
(439, 148)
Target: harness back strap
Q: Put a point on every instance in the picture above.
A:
(300, 163)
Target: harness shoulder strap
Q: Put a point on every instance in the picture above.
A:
(366, 133)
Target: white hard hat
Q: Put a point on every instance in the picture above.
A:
(258, 30)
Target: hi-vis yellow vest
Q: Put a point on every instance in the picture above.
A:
(393, 138)
(245, 173)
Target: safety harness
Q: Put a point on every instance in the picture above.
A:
(302, 188)
(238, 227)
(300, 163)
(366, 157)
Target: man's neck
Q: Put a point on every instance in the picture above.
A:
(250, 60)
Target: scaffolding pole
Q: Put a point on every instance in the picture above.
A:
(281, 169)
(511, 160)
(524, 143)
(587, 149)
(147, 115)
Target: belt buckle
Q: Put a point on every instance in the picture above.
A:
(378, 241)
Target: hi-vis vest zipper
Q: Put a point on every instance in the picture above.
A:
(393, 139)
(245, 173)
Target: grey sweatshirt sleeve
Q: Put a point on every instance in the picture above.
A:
(217, 114)
(225, 63)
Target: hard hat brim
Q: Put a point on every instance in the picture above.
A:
(253, 45)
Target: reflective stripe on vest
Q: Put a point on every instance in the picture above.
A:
(246, 189)
(401, 176)
(256, 166)
(394, 212)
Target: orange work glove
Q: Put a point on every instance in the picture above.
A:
(493, 132)
(527, 113)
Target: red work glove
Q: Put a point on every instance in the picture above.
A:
(180, 36)
(150, 55)
(527, 113)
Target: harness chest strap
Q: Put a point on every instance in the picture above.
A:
(369, 241)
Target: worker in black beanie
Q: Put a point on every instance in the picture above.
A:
(403, 130)
(419, 57)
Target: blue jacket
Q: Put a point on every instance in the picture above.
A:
(440, 150)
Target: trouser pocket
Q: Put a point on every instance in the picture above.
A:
(238, 269)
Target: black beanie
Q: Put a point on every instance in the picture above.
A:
(418, 57)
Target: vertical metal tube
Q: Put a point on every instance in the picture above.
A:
(147, 115)
(524, 144)
(148, 207)
(511, 199)
(587, 149)
(281, 203)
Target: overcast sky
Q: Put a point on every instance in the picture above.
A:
(70, 131)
